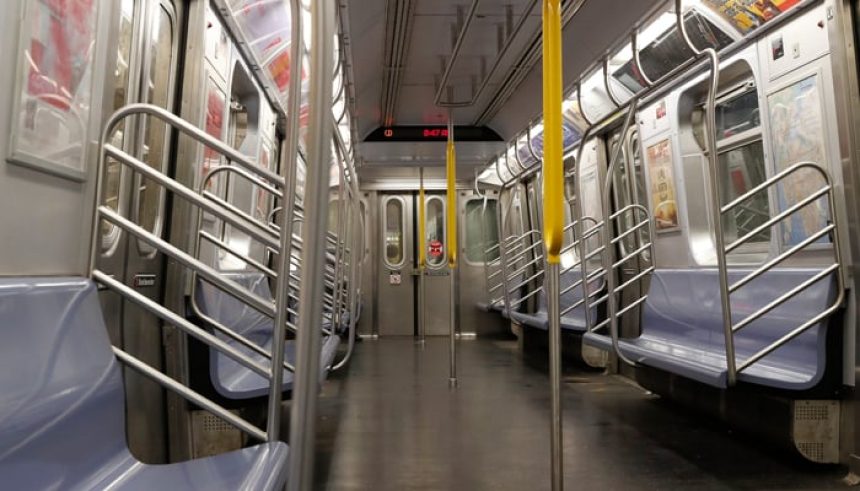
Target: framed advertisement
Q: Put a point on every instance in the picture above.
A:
(797, 135)
(54, 84)
(661, 180)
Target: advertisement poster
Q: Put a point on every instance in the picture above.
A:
(746, 15)
(797, 134)
(58, 41)
(662, 180)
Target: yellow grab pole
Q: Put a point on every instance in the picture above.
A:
(553, 169)
(451, 232)
(422, 254)
(553, 217)
(451, 170)
(422, 233)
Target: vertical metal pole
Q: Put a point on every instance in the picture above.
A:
(715, 191)
(554, 312)
(608, 248)
(553, 216)
(289, 158)
(422, 258)
(309, 336)
(451, 170)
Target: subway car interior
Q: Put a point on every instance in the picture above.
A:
(429, 244)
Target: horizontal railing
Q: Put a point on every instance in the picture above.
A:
(827, 230)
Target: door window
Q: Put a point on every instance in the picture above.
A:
(158, 90)
(394, 218)
(435, 232)
(113, 169)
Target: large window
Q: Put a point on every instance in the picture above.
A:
(482, 230)
(742, 164)
(393, 232)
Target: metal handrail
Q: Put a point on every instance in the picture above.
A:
(831, 229)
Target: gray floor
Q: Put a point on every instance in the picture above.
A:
(390, 422)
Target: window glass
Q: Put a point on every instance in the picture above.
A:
(435, 230)
(742, 168)
(157, 89)
(333, 215)
(394, 232)
(738, 115)
(110, 232)
(482, 230)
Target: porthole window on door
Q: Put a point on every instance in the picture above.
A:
(394, 238)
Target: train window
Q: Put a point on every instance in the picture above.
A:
(435, 232)
(482, 230)
(590, 190)
(738, 114)
(334, 215)
(158, 90)
(394, 218)
(741, 169)
(113, 170)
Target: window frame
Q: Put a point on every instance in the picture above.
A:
(384, 230)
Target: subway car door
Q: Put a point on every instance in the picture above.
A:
(628, 189)
(437, 281)
(396, 264)
(147, 35)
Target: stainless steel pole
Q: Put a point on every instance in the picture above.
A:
(309, 336)
(453, 251)
(552, 279)
(422, 262)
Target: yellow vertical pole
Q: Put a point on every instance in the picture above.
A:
(553, 217)
(451, 233)
(422, 255)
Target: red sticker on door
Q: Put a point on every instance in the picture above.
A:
(435, 248)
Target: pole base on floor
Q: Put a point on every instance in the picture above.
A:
(452, 383)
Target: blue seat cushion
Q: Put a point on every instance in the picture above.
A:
(229, 378)
(682, 329)
(572, 321)
(62, 405)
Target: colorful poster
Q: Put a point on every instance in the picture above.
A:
(58, 42)
(746, 15)
(797, 133)
(662, 180)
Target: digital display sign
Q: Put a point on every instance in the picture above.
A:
(432, 134)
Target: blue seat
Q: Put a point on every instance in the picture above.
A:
(229, 378)
(573, 321)
(62, 408)
(682, 330)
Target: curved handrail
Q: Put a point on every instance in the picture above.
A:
(608, 250)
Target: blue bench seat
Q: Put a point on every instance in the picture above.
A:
(229, 378)
(573, 321)
(62, 407)
(682, 330)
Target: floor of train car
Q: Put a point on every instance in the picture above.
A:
(390, 422)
